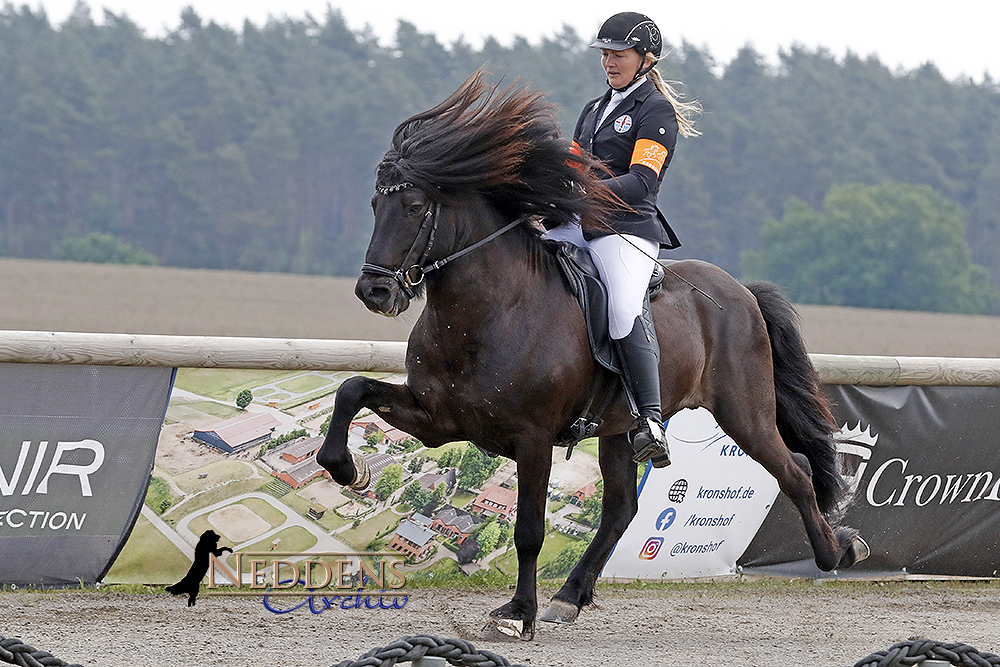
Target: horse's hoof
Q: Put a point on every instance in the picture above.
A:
(510, 620)
(514, 627)
(560, 612)
(861, 549)
(510, 627)
(857, 550)
(362, 475)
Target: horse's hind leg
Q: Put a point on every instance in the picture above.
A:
(618, 507)
(852, 548)
(756, 434)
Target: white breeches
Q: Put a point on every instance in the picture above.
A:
(625, 263)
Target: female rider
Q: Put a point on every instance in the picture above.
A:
(632, 129)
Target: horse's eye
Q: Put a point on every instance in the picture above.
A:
(415, 208)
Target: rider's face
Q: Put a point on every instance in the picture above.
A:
(620, 66)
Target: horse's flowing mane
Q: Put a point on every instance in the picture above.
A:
(505, 145)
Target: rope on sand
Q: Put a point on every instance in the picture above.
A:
(456, 651)
(916, 651)
(460, 652)
(16, 652)
(407, 649)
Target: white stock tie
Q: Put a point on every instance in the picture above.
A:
(616, 98)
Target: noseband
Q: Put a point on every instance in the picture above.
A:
(410, 278)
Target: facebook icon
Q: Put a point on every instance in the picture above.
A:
(666, 518)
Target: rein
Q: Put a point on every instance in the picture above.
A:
(410, 278)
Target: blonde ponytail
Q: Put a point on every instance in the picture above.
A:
(685, 110)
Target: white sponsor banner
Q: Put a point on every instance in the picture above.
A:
(698, 515)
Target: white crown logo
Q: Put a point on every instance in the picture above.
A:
(856, 435)
(855, 442)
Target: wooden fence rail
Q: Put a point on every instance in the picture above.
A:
(43, 347)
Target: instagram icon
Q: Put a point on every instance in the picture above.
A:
(651, 548)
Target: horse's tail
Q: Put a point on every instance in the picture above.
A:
(803, 413)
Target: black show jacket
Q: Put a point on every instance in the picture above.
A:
(636, 142)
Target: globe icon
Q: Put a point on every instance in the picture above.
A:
(678, 490)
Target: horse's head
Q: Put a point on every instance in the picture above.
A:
(405, 226)
(504, 147)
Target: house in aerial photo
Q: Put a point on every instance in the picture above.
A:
(238, 433)
(449, 477)
(412, 539)
(302, 449)
(582, 494)
(455, 523)
(304, 468)
(369, 424)
(496, 500)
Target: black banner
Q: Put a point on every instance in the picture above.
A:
(925, 466)
(76, 451)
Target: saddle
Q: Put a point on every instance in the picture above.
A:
(585, 283)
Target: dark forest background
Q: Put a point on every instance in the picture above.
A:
(255, 149)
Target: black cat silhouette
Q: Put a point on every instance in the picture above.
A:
(207, 544)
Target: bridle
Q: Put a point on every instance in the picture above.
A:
(409, 279)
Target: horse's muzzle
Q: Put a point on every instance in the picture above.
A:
(381, 295)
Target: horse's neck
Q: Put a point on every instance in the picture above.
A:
(496, 277)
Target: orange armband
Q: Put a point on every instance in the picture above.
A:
(575, 149)
(650, 154)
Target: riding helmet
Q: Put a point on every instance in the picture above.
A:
(629, 30)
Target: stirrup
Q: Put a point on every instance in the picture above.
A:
(661, 461)
(649, 443)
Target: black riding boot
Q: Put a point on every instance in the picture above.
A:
(640, 357)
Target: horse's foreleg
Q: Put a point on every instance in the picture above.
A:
(529, 533)
(618, 507)
(392, 402)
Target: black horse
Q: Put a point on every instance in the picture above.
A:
(500, 355)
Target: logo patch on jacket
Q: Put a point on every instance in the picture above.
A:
(623, 123)
(650, 154)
